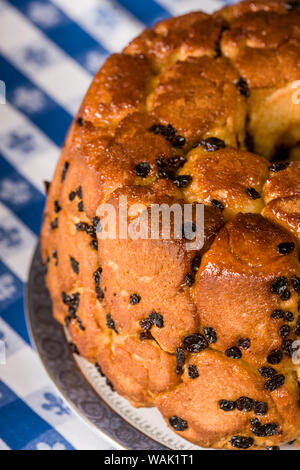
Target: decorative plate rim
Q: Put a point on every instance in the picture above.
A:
(136, 439)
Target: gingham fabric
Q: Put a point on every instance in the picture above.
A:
(50, 51)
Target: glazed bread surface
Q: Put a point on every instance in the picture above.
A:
(198, 109)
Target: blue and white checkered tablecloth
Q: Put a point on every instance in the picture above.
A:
(49, 53)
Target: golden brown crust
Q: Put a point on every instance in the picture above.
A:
(186, 99)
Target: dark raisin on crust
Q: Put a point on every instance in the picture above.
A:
(134, 299)
(252, 193)
(279, 285)
(144, 335)
(79, 322)
(245, 404)
(277, 314)
(178, 141)
(99, 293)
(72, 196)
(242, 442)
(80, 206)
(260, 408)
(146, 324)
(244, 343)
(142, 169)
(217, 204)
(284, 331)
(286, 295)
(278, 166)
(79, 121)
(267, 372)
(210, 335)
(180, 360)
(285, 248)
(110, 323)
(212, 144)
(193, 371)
(274, 382)
(189, 279)
(64, 171)
(156, 319)
(297, 328)
(54, 224)
(274, 357)
(196, 262)
(227, 405)
(289, 347)
(55, 257)
(94, 244)
(182, 181)
(74, 265)
(57, 207)
(243, 87)
(194, 343)
(177, 423)
(296, 283)
(288, 316)
(233, 353)
(97, 276)
(263, 430)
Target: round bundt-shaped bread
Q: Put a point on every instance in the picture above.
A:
(198, 109)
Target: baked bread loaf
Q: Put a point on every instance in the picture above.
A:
(198, 109)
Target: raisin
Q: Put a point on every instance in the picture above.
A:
(54, 223)
(245, 404)
(55, 256)
(79, 192)
(192, 371)
(177, 161)
(64, 171)
(210, 334)
(285, 248)
(288, 316)
(189, 279)
(146, 324)
(110, 323)
(278, 166)
(156, 319)
(211, 144)
(233, 353)
(145, 335)
(217, 204)
(81, 226)
(99, 293)
(72, 196)
(194, 343)
(252, 193)
(263, 430)
(97, 276)
(260, 408)
(242, 442)
(297, 329)
(80, 206)
(274, 382)
(243, 87)
(288, 347)
(180, 360)
(244, 343)
(227, 405)
(196, 263)
(79, 121)
(284, 331)
(277, 314)
(274, 357)
(296, 283)
(134, 299)
(279, 285)
(267, 372)
(82, 328)
(177, 423)
(178, 141)
(74, 265)
(94, 244)
(57, 207)
(142, 169)
(286, 295)
(182, 181)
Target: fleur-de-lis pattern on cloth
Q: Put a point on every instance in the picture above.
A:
(50, 52)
